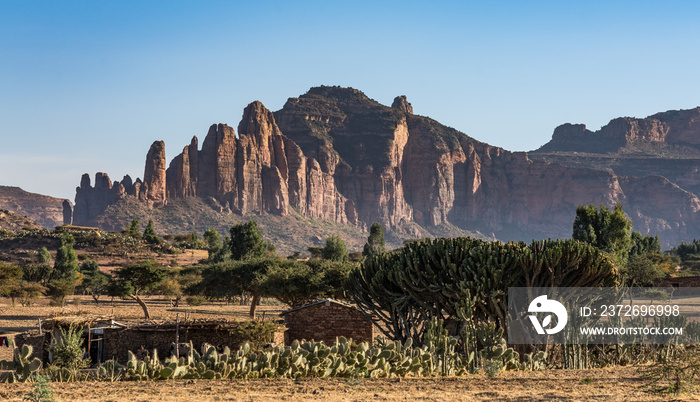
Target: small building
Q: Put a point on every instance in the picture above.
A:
(678, 281)
(105, 339)
(325, 320)
(162, 336)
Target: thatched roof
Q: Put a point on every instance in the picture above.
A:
(327, 302)
(79, 320)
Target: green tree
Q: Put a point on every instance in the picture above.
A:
(171, 287)
(95, 282)
(10, 278)
(375, 242)
(58, 289)
(214, 243)
(149, 234)
(133, 281)
(607, 230)
(66, 263)
(641, 245)
(298, 282)
(247, 242)
(37, 273)
(26, 292)
(65, 271)
(234, 277)
(335, 249)
(133, 230)
(44, 256)
(641, 270)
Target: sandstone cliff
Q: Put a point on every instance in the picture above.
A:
(44, 210)
(335, 154)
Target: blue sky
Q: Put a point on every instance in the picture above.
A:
(87, 86)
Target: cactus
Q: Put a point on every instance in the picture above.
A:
(23, 366)
(434, 279)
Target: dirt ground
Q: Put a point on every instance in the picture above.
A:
(613, 384)
(619, 384)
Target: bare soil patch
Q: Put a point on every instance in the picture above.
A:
(618, 384)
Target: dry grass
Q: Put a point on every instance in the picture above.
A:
(620, 384)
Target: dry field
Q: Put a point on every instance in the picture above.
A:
(613, 384)
(621, 384)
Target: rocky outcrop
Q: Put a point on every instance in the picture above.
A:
(154, 180)
(401, 103)
(41, 209)
(260, 171)
(67, 212)
(678, 127)
(335, 154)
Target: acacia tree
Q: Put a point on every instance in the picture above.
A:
(291, 282)
(10, 277)
(95, 282)
(297, 282)
(133, 281)
(231, 278)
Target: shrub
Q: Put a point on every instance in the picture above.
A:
(42, 390)
(68, 351)
(195, 300)
(255, 333)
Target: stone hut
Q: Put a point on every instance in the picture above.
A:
(678, 281)
(161, 336)
(324, 320)
(105, 339)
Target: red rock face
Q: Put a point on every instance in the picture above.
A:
(339, 155)
(154, 175)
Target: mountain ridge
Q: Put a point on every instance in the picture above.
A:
(335, 154)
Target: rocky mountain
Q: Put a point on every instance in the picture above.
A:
(661, 150)
(48, 212)
(336, 155)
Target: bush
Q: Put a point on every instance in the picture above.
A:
(68, 351)
(195, 300)
(256, 333)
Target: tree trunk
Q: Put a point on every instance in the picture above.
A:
(143, 306)
(253, 303)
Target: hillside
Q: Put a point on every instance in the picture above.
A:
(12, 222)
(44, 210)
(334, 155)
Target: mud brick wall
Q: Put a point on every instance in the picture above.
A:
(36, 341)
(324, 323)
(118, 342)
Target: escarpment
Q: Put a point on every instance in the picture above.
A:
(335, 154)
